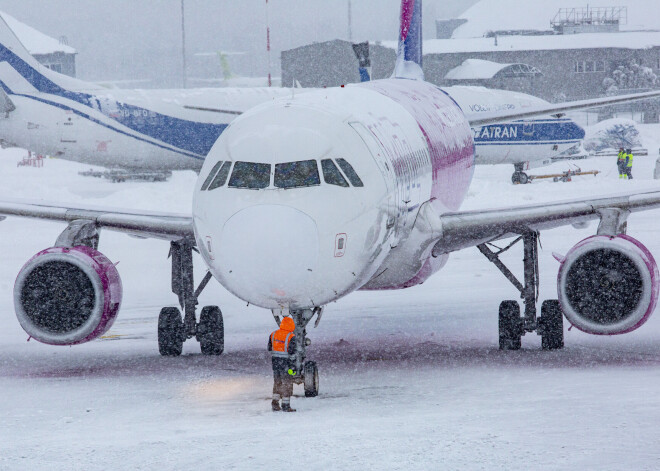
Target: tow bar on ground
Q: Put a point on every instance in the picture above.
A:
(563, 177)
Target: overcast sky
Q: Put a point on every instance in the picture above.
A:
(141, 39)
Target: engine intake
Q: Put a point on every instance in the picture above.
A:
(67, 295)
(608, 285)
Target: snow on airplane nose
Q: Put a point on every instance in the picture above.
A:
(269, 253)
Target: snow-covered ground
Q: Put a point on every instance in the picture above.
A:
(409, 380)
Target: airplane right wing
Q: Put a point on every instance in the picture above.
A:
(559, 108)
(145, 224)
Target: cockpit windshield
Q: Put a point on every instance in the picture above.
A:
(331, 173)
(250, 175)
(350, 173)
(297, 174)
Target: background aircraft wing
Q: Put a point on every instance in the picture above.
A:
(466, 229)
(141, 224)
(559, 108)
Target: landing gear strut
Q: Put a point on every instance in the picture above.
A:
(173, 331)
(308, 371)
(512, 326)
(519, 177)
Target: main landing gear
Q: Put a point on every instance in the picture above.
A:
(519, 177)
(550, 325)
(172, 329)
(308, 372)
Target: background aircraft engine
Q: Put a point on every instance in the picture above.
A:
(608, 285)
(67, 296)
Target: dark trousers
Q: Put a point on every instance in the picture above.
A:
(629, 172)
(282, 380)
(621, 166)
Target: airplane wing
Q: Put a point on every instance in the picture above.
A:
(145, 224)
(471, 228)
(559, 108)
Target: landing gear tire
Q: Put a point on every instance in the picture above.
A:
(510, 326)
(311, 379)
(551, 325)
(170, 332)
(211, 331)
(520, 178)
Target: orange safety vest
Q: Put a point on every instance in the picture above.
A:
(280, 341)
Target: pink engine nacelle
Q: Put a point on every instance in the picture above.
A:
(67, 295)
(608, 285)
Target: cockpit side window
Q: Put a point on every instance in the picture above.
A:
(221, 178)
(250, 175)
(209, 179)
(350, 173)
(331, 173)
(297, 174)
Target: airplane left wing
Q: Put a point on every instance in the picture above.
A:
(166, 226)
(559, 108)
(471, 228)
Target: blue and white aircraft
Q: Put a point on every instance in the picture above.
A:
(50, 113)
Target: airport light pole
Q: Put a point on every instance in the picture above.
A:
(183, 42)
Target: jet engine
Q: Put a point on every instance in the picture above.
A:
(608, 285)
(67, 295)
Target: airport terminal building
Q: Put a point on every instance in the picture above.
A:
(559, 54)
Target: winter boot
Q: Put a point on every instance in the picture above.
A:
(275, 405)
(286, 407)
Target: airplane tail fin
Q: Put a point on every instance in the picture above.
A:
(409, 56)
(22, 73)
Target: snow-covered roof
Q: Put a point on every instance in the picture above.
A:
(35, 41)
(475, 69)
(638, 40)
(500, 15)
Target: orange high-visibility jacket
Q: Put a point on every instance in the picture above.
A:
(282, 338)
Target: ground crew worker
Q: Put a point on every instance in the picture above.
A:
(282, 346)
(629, 163)
(621, 162)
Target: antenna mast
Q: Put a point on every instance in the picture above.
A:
(270, 80)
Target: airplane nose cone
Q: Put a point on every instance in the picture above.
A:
(268, 254)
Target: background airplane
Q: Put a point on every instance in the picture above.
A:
(307, 199)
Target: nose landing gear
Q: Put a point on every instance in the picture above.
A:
(309, 376)
(173, 331)
(519, 177)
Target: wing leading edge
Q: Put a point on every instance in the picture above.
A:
(165, 226)
(471, 228)
(560, 108)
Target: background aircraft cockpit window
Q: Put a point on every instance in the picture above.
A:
(250, 175)
(331, 173)
(350, 172)
(221, 178)
(209, 179)
(297, 174)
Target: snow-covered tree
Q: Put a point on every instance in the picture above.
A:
(612, 134)
(630, 76)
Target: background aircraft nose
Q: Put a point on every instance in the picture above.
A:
(269, 252)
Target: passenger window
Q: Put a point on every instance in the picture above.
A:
(350, 173)
(331, 173)
(209, 179)
(221, 177)
(297, 174)
(250, 175)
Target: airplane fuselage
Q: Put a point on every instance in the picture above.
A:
(412, 150)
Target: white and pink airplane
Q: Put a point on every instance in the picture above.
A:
(307, 199)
